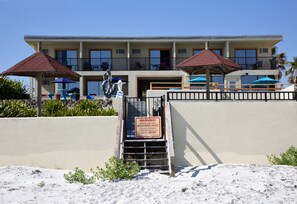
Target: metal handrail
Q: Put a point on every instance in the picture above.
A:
(151, 63)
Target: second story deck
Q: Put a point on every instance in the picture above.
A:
(153, 53)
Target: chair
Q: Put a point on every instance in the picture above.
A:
(87, 66)
(50, 96)
(162, 66)
(90, 97)
(104, 66)
(138, 66)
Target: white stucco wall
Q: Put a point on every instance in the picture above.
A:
(64, 142)
(232, 132)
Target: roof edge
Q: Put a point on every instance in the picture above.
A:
(139, 38)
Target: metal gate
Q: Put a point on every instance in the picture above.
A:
(136, 107)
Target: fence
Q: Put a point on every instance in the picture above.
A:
(222, 96)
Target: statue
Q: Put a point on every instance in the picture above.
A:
(108, 87)
(120, 93)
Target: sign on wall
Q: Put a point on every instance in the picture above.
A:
(148, 127)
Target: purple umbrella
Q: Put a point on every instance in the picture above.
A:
(63, 81)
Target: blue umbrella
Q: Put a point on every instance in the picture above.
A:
(198, 79)
(63, 81)
(265, 80)
(116, 79)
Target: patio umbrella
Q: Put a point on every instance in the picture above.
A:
(198, 80)
(40, 65)
(116, 79)
(63, 81)
(265, 80)
(208, 62)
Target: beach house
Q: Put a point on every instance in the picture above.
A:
(149, 62)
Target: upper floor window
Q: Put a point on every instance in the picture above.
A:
(67, 58)
(120, 51)
(182, 51)
(136, 51)
(247, 58)
(263, 50)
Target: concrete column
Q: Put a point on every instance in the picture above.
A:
(226, 49)
(39, 46)
(128, 55)
(174, 55)
(31, 87)
(82, 86)
(39, 81)
(206, 45)
(80, 61)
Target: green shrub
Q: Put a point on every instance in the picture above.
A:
(79, 176)
(13, 108)
(86, 108)
(91, 108)
(10, 89)
(286, 158)
(117, 169)
(54, 108)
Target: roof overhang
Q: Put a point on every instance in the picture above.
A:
(43, 38)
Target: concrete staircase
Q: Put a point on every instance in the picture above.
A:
(148, 154)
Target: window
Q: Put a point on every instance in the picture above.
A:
(263, 50)
(100, 59)
(136, 51)
(219, 52)
(196, 51)
(94, 88)
(67, 58)
(182, 51)
(120, 51)
(246, 58)
(249, 79)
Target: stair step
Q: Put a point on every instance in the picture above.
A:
(161, 159)
(154, 166)
(138, 153)
(141, 147)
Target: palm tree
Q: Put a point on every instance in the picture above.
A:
(280, 60)
(292, 71)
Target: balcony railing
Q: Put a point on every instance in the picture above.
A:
(254, 63)
(154, 64)
(232, 96)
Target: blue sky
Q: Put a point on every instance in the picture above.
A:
(142, 18)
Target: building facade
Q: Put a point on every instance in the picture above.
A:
(139, 61)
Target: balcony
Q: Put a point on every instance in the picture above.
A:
(154, 64)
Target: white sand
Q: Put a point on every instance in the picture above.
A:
(223, 183)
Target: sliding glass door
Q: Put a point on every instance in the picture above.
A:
(159, 59)
(67, 58)
(100, 60)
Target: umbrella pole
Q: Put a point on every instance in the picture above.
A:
(207, 82)
(38, 95)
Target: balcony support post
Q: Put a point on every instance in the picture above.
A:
(80, 62)
(226, 50)
(206, 45)
(174, 56)
(39, 46)
(128, 56)
(82, 86)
